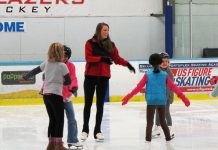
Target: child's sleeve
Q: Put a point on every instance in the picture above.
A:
(32, 73)
(139, 86)
(74, 83)
(177, 90)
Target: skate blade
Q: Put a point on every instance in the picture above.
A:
(99, 140)
(83, 140)
(156, 136)
(75, 147)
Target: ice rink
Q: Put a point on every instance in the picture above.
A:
(196, 127)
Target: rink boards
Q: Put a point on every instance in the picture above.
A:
(192, 76)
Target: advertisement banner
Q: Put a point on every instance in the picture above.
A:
(191, 77)
(68, 8)
(46, 8)
(12, 26)
(194, 77)
(13, 78)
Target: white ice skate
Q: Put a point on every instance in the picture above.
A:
(84, 136)
(156, 132)
(171, 131)
(169, 145)
(76, 145)
(99, 137)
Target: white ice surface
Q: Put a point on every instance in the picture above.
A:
(196, 127)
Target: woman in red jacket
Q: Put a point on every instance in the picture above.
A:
(100, 53)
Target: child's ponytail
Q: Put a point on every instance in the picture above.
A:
(156, 69)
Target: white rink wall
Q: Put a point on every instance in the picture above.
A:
(191, 75)
(132, 28)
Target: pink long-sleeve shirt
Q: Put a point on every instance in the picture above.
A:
(72, 72)
(170, 84)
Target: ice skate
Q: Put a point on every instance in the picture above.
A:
(60, 146)
(148, 142)
(156, 132)
(76, 145)
(171, 131)
(84, 136)
(99, 137)
(171, 137)
(169, 145)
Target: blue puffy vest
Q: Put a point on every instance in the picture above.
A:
(156, 88)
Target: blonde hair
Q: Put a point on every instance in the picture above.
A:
(56, 52)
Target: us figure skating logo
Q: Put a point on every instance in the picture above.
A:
(191, 77)
(194, 77)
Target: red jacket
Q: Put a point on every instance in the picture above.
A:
(94, 65)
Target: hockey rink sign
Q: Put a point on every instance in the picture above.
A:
(194, 77)
(12, 26)
(69, 8)
(191, 77)
(52, 8)
(13, 78)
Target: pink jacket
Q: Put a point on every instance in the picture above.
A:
(74, 83)
(142, 83)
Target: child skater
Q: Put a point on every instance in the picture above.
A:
(56, 75)
(68, 90)
(165, 67)
(156, 82)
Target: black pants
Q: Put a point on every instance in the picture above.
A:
(55, 109)
(168, 116)
(150, 121)
(91, 84)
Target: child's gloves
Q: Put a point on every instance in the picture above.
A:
(124, 102)
(41, 92)
(74, 91)
(185, 100)
(107, 60)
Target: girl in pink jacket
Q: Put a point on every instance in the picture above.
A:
(68, 91)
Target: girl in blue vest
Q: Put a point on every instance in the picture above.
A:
(165, 66)
(156, 82)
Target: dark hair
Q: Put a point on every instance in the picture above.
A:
(105, 43)
(155, 60)
(67, 51)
